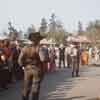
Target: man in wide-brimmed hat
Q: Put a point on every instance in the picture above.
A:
(29, 58)
(35, 37)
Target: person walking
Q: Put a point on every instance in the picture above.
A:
(52, 56)
(84, 57)
(61, 55)
(68, 56)
(8, 55)
(75, 61)
(29, 58)
(4, 71)
(44, 56)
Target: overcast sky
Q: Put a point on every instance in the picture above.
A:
(25, 12)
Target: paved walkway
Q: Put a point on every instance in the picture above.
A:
(60, 85)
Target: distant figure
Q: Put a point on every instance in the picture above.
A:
(61, 55)
(84, 57)
(90, 55)
(95, 55)
(15, 56)
(52, 56)
(44, 56)
(68, 56)
(57, 56)
(4, 70)
(75, 61)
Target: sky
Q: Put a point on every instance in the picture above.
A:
(22, 13)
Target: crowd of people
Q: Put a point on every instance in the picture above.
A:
(60, 54)
(16, 62)
(69, 56)
(9, 67)
(55, 57)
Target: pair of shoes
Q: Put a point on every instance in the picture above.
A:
(73, 75)
(59, 67)
(68, 67)
(4, 87)
(77, 75)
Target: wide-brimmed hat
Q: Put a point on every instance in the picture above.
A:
(36, 37)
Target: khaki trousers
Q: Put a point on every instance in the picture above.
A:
(31, 83)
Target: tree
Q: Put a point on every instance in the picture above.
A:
(43, 27)
(52, 25)
(20, 34)
(93, 30)
(90, 25)
(31, 29)
(80, 28)
(11, 27)
(56, 29)
(13, 33)
(59, 26)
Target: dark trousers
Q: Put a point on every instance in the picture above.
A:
(31, 83)
(61, 59)
(75, 68)
(13, 73)
(4, 78)
(17, 71)
(69, 60)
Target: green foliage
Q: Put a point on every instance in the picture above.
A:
(57, 36)
(93, 30)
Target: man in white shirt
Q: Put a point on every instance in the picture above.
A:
(75, 60)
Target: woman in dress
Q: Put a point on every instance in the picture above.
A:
(52, 57)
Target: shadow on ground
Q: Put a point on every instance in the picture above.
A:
(57, 86)
(72, 98)
(94, 99)
(13, 93)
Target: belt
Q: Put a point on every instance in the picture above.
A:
(31, 66)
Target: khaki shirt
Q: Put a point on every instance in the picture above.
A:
(28, 52)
